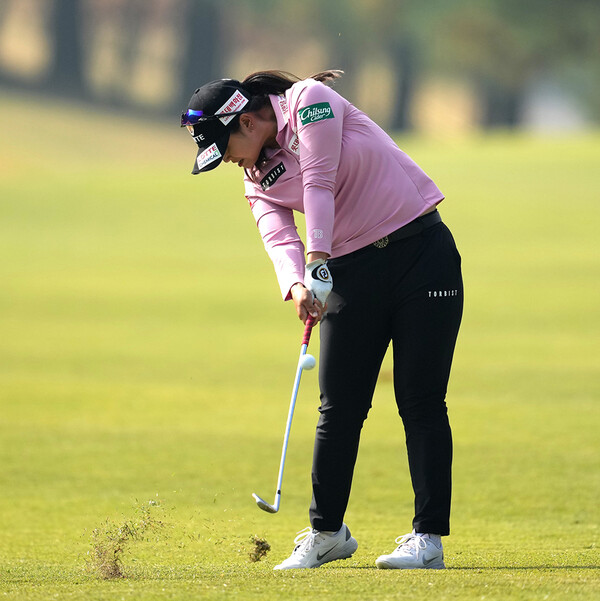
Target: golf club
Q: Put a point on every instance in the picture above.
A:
(261, 502)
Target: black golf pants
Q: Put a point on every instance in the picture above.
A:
(409, 293)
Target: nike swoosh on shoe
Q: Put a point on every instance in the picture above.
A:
(320, 557)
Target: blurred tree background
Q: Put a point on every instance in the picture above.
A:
(434, 65)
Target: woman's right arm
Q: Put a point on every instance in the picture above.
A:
(285, 248)
(281, 240)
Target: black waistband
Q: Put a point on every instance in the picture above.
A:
(410, 229)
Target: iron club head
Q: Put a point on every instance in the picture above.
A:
(266, 506)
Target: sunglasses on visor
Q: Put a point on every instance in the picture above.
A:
(192, 117)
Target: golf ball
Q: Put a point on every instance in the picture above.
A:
(307, 362)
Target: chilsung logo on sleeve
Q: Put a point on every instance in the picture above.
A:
(315, 112)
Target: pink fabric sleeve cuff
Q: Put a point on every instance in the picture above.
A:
(319, 210)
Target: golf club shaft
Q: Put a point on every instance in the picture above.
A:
(305, 340)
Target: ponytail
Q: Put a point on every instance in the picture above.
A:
(263, 83)
(327, 76)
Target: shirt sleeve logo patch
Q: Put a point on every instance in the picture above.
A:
(268, 180)
(315, 112)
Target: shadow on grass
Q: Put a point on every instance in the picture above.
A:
(597, 567)
(474, 568)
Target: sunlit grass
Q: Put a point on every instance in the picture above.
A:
(145, 355)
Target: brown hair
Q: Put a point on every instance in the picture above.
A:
(262, 83)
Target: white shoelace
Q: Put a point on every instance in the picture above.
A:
(408, 542)
(305, 541)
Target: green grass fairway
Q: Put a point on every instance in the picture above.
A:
(146, 361)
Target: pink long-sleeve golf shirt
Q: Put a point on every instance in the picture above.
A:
(335, 165)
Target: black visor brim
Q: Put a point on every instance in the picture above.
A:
(210, 156)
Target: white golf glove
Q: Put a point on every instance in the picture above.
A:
(317, 278)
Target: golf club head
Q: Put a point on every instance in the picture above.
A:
(264, 505)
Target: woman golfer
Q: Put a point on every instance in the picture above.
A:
(378, 254)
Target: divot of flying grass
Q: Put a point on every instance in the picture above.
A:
(112, 542)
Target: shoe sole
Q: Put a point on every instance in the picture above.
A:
(388, 565)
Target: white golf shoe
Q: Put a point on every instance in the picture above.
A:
(314, 548)
(414, 551)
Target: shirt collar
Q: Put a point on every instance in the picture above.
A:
(280, 107)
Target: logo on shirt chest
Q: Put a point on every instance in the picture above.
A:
(268, 180)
